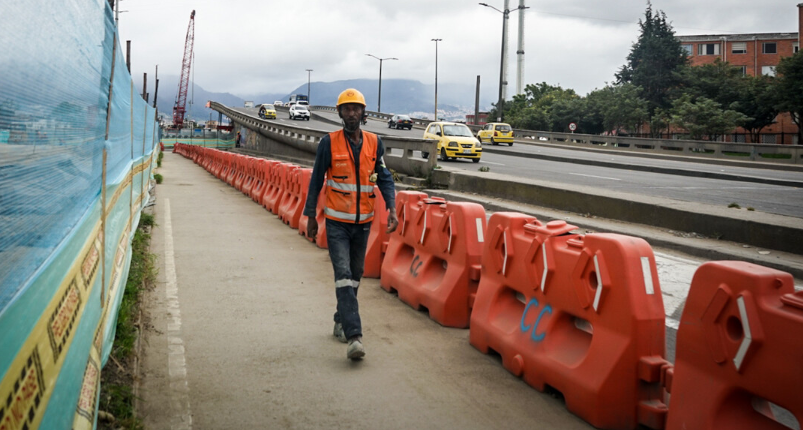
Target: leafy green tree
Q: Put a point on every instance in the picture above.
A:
(758, 101)
(704, 117)
(720, 82)
(594, 117)
(534, 109)
(625, 109)
(567, 110)
(654, 61)
(661, 121)
(789, 90)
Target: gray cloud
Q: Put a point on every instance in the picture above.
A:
(249, 47)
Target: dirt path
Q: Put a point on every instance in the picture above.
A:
(239, 334)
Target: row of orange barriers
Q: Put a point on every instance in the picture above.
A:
(580, 314)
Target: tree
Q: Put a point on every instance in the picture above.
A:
(567, 110)
(704, 117)
(594, 117)
(654, 61)
(789, 90)
(719, 82)
(625, 108)
(534, 109)
(759, 103)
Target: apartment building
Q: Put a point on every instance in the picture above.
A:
(756, 54)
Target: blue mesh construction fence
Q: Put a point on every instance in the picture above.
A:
(69, 117)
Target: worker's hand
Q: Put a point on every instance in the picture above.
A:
(312, 228)
(393, 221)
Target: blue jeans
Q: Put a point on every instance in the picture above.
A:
(347, 244)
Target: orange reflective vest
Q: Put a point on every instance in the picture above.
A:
(349, 195)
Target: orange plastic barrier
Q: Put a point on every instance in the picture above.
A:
(237, 180)
(273, 194)
(259, 180)
(739, 346)
(212, 161)
(215, 163)
(320, 239)
(270, 182)
(234, 169)
(581, 314)
(377, 239)
(434, 262)
(404, 238)
(250, 176)
(285, 178)
(245, 173)
(225, 166)
(292, 205)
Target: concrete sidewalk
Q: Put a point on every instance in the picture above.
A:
(238, 334)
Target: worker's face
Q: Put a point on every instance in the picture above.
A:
(352, 115)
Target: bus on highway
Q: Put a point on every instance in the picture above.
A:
(295, 98)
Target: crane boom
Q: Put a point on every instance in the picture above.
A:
(183, 83)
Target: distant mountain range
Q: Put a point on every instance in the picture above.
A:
(399, 96)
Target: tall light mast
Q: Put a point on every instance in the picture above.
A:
(520, 51)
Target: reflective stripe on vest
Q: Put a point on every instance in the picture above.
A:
(349, 194)
(343, 216)
(349, 187)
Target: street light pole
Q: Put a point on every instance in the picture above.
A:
(309, 71)
(379, 98)
(505, 13)
(436, 76)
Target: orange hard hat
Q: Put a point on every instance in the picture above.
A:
(351, 96)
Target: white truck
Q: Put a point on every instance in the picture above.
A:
(249, 104)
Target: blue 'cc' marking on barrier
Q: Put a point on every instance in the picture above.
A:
(524, 328)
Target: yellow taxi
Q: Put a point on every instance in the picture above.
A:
(496, 132)
(267, 111)
(454, 141)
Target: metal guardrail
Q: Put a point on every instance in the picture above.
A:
(768, 153)
(377, 115)
(402, 154)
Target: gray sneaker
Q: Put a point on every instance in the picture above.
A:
(338, 333)
(355, 351)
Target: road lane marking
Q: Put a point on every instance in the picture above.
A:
(593, 176)
(491, 162)
(180, 419)
(711, 188)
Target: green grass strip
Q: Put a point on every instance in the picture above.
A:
(116, 392)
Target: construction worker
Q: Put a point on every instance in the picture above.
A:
(351, 162)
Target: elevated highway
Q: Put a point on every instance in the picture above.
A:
(765, 187)
(670, 198)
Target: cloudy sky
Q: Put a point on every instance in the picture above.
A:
(248, 47)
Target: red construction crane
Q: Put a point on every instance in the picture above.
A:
(183, 83)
